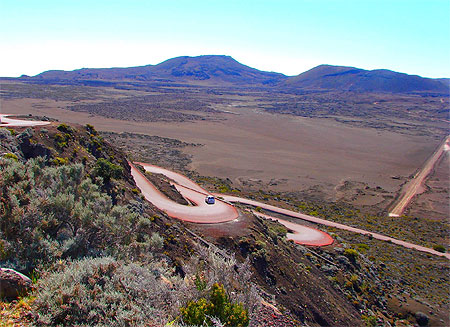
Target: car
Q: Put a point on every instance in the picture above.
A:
(210, 199)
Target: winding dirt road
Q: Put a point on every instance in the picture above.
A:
(181, 182)
(301, 234)
(204, 213)
(415, 185)
(200, 213)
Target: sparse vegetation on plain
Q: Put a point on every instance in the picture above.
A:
(162, 151)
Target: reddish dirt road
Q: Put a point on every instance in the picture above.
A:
(192, 191)
(301, 234)
(316, 220)
(183, 181)
(9, 122)
(200, 213)
(415, 185)
(176, 177)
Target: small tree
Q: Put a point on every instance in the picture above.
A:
(107, 170)
(351, 254)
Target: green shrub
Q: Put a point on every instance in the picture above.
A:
(95, 141)
(224, 189)
(156, 241)
(195, 312)
(362, 247)
(439, 248)
(91, 130)
(277, 230)
(65, 129)
(58, 161)
(62, 140)
(200, 312)
(371, 321)
(200, 282)
(10, 156)
(107, 170)
(52, 213)
(351, 254)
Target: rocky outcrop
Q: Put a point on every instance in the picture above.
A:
(13, 284)
(29, 149)
(422, 319)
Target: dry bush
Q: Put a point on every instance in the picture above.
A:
(106, 292)
(52, 213)
(212, 265)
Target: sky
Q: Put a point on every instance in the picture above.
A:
(286, 36)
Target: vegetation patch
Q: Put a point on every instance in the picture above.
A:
(202, 312)
(103, 291)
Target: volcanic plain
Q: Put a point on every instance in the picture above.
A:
(328, 158)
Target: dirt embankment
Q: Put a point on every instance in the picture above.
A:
(166, 188)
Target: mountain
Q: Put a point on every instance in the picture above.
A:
(446, 81)
(210, 70)
(340, 78)
(218, 70)
(215, 68)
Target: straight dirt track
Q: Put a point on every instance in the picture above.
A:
(415, 185)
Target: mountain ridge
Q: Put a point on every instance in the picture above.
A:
(342, 78)
(214, 69)
(221, 70)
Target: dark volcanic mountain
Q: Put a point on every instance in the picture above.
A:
(213, 70)
(208, 70)
(340, 78)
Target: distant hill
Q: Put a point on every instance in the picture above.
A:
(216, 70)
(340, 78)
(446, 81)
(211, 70)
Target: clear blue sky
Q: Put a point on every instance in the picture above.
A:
(276, 35)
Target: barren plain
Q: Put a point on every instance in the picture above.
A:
(328, 158)
(434, 202)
